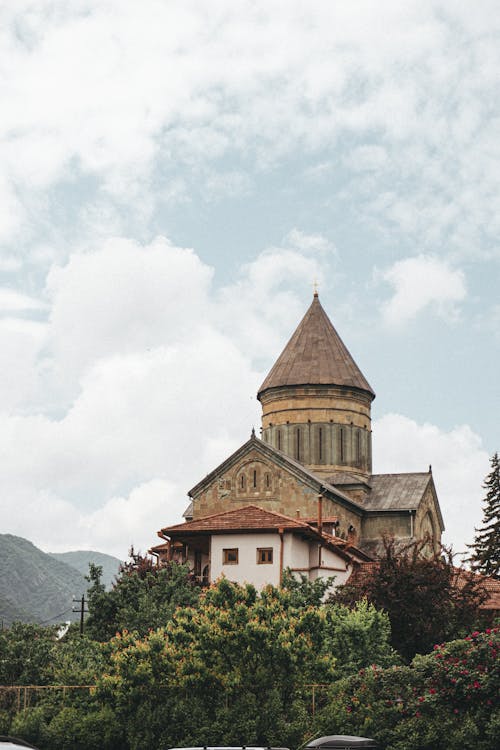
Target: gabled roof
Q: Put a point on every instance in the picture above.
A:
(315, 355)
(251, 519)
(393, 492)
(281, 459)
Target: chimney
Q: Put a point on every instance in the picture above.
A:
(297, 513)
(320, 514)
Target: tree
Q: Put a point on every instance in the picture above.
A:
(428, 600)
(485, 556)
(143, 597)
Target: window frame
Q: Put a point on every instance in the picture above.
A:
(268, 550)
(226, 551)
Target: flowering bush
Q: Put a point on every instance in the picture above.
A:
(445, 700)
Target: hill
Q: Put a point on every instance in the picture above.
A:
(39, 587)
(80, 560)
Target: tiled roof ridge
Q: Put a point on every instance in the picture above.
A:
(315, 355)
(235, 511)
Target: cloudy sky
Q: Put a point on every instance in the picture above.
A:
(174, 175)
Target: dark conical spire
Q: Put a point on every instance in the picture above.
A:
(315, 355)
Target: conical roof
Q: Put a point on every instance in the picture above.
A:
(315, 355)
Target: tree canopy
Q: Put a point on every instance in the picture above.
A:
(426, 597)
(485, 557)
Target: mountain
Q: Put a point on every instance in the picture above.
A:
(38, 587)
(81, 559)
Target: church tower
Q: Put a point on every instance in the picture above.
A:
(316, 403)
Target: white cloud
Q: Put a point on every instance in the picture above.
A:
(121, 95)
(459, 465)
(13, 301)
(21, 342)
(158, 368)
(124, 298)
(308, 243)
(420, 283)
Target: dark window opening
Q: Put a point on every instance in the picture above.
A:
(297, 444)
(320, 440)
(254, 478)
(230, 556)
(264, 555)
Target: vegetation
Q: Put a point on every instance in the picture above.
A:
(485, 556)
(40, 587)
(425, 596)
(173, 664)
(144, 597)
(446, 700)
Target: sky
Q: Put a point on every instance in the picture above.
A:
(174, 176)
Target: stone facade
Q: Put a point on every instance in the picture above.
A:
(314, 461)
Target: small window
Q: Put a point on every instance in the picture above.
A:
(320, 441)
(268, 480)
(279, 440)
(230, 556)
(297, 444)
(255, 477)
(264, 555)
(242, 482)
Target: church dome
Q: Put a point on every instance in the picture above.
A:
(316, 402)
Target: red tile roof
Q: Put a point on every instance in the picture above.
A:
(249, 518)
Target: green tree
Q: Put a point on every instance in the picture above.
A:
(143, 597)
(233, 670)
(427, 599)
(26, 654)
(358, 637)
(485, 556)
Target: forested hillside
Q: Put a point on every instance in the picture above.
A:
(80, 559)
(39, 587)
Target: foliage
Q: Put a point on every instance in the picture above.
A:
(358, 636)
(231, 671)
(26, 653)
(143, 597)
(446, 700)
(303, 591)
(425, 596)
(485, 556)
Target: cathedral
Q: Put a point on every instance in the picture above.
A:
(304, 495)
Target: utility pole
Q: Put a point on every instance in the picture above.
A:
(80, 609)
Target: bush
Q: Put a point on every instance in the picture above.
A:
(446, 700)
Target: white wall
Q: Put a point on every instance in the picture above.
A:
(296, 552)
(247, 570)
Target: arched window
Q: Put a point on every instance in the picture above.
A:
(268, 480)
(358, 447)
(279, 440)
(297, 444)
(342, 445)
(320, 445)
(255, 478)
(242, 482)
